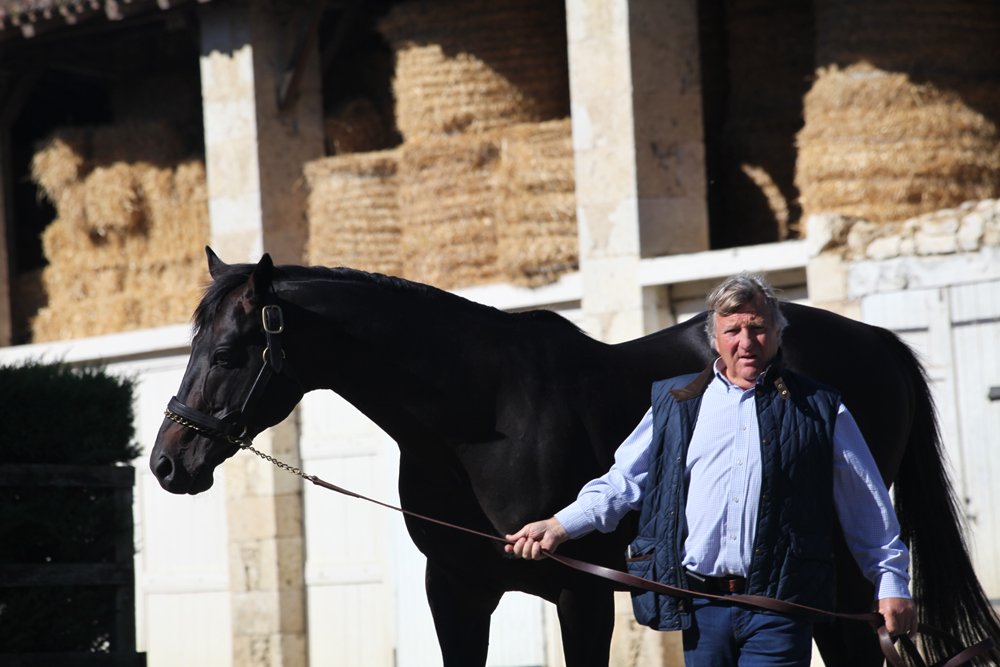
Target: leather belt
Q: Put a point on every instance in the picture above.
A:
(728, 585)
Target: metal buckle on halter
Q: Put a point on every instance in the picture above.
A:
(273, 319)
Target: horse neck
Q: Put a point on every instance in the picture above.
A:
(408, 361)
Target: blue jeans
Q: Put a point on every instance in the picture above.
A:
(724, 635)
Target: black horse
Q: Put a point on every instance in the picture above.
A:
(500, 418)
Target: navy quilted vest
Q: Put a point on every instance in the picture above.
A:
(793, 554)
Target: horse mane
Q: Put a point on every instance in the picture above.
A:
(236, 275)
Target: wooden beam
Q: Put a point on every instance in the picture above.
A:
(289, 85)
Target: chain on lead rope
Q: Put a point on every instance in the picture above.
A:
(279, 463)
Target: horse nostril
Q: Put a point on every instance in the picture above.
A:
(164, 468)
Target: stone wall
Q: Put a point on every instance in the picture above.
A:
(841, 245)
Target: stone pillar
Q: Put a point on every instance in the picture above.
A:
(638, 142)
(254, 156)
(635, 96)
(668, 127)
(266, 553)
(606, 173)
(254, 152)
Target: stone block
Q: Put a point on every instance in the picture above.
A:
(827, 232)
(971, 231)
(826, 279)
(672, 225)
(609, 230)
(884, 247)
(934, 243)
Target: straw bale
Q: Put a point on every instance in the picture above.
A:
(137, 272)
(448, 193)
(102, 315)
(537, 237)
(112, 200)
(67, 285)
(178, 201)
(353, 211)
(879, 146)
(173, 307)
(356, 127)
(477, 65)
(60, 161)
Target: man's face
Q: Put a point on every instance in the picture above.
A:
(747, 341)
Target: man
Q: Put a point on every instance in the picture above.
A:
(737, 472)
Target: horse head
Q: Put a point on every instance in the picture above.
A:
(237, 382)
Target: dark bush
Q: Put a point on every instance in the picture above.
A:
(65, 516)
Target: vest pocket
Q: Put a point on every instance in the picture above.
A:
(808, 573)
(640, 561)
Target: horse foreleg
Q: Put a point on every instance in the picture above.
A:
(461, 612)
(586, 619)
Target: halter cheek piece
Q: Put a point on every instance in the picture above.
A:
(232, 426)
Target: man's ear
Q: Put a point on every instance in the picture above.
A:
(215, 265)
(260, 279)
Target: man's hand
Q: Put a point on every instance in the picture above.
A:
(900, 616)
(534, 538)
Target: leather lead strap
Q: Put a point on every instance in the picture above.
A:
(886, 642)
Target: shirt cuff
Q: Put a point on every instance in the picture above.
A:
(574, 521)
(892, 585)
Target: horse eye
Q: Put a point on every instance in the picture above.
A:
(222, 357)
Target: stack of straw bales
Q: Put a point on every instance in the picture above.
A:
(902, 118)
(448, 193)
(482, 188)
(477, 65)
(879, 146)
(537, 233)
(451, 211)
(126, 248)
(353, 211)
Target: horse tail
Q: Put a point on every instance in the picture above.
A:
(945, 587)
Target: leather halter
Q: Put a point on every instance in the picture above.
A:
(232, 427)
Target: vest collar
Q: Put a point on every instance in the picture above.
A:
(772, 377)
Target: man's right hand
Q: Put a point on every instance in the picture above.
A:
(536, 538)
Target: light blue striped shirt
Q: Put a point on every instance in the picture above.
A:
(723, 474)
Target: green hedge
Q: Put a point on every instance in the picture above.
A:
(56, 423)
(55, 413)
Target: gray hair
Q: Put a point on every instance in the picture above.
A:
(737, 291)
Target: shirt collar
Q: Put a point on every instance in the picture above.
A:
(717, 367)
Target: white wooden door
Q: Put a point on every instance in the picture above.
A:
(956, 330)
(182, 557)
(975, 326)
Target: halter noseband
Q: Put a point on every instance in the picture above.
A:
(232, 427)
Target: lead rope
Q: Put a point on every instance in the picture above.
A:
(886, 642)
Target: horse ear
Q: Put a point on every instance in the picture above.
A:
(260, 278)
(215, 265)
